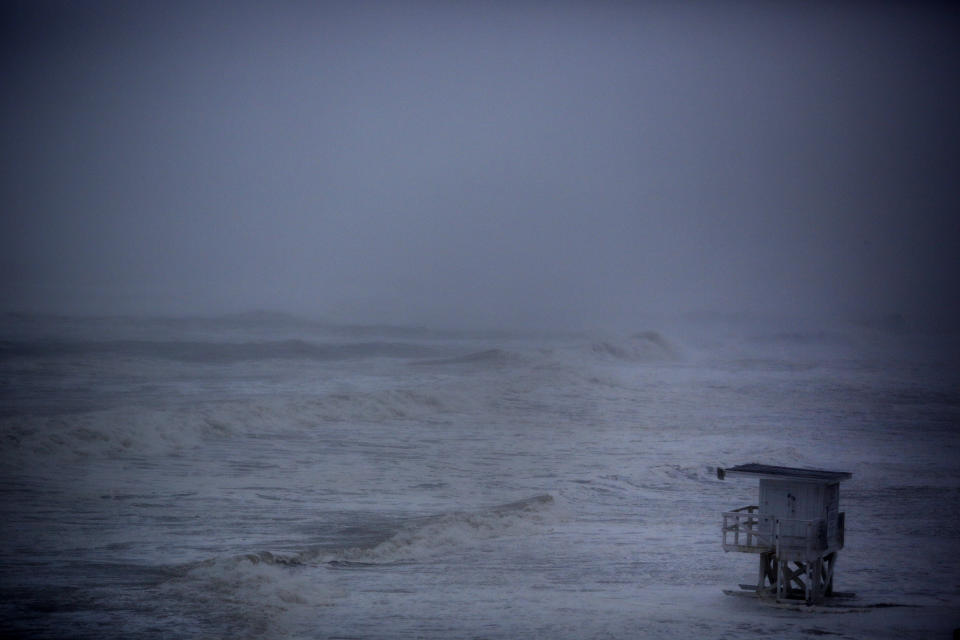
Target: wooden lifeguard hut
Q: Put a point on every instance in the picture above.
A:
(796, 528)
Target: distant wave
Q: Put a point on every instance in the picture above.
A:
(218, 352)
(60, 325)
(28, 437)
(489, 356)
(384, 405)
(641, 347)
(678, 477)
(805, 338)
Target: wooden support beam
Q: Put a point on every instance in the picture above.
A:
(830, 562)
(791, 565)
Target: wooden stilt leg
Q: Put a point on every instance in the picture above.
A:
(772, 572)
(819, 581)
(767, 573)
(812, 586)
(781, 578)
(828, 573)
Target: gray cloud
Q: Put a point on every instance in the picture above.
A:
(480, 163)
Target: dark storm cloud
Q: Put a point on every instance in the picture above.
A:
(484, 163)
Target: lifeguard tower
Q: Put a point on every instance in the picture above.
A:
(796, 528)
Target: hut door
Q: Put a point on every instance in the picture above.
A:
(779, 500)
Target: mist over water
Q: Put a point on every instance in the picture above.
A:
(268, 476)
(434, 320)
(480, 164)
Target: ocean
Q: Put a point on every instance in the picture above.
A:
(265, 476)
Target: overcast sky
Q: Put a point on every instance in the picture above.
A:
(481, 163)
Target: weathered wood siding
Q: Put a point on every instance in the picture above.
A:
(832, 509)
(799, 500)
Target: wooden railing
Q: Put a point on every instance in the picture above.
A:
(747, 530)
(744, 529)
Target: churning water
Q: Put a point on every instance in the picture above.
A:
(259, 476)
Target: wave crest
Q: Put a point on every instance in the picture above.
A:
(646, 346)
(487, 357)
(442, 534)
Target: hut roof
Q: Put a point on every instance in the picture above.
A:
(790, 473)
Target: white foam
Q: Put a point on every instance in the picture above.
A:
(311, 487)
(441, 535)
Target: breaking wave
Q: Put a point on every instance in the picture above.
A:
(114, 432)
(487, 357)
(383, 405)
(646, 346)
(417, 539)
(272, 590)
(438, 535)
(136, 430)
(678, 477)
